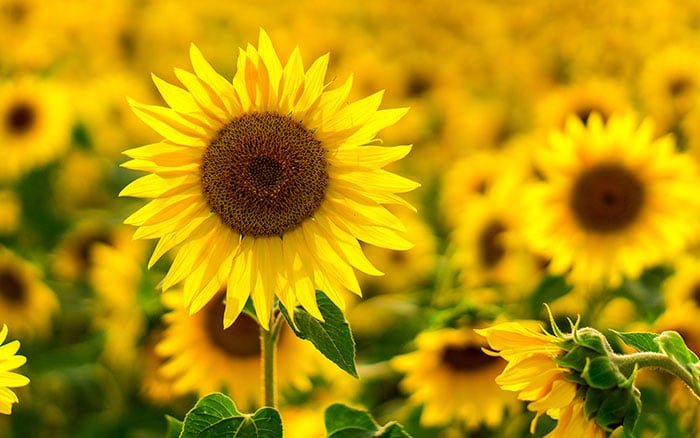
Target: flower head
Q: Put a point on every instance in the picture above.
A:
(614, 201)
(266, 183)
(9, 360)
(570, 377)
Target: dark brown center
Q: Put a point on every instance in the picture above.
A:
(491, 249)
(241, 340)
(465, 358)
(12, 287)
(695, 293)
(679, 86)
(20, 118)
(264, 174)
(606, 198)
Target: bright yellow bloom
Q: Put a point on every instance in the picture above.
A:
(9, 360)
(266, 183)
(614, 201)
(533, 372)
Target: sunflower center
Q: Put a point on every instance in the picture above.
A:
(607, 198)
(491, 249)
(20, 118)
(465, 358)
(679, 86)
(695, 293)
(242, 339)
(264, 174)
(12, 287)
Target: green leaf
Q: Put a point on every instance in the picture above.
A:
(332, 337)
(216, 416)
(640, 341)
(550, 288)
(346, 422)
(174, 427)
(674, 346)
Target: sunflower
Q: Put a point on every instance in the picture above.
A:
(533, 372)
(488, 241)
(614, 200)
(201, 356)
(670, 85)
(115, 277)
(266, 183)
(604, 96)
(10, 211)
(9, 360)
(453, 379)
(35, 125)
(26, 302)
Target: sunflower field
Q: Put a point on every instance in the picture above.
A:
(433, 218)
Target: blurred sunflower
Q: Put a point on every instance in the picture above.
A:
(467, 179)
(454, 379)
(72, 259)
(203, 357)
(9, 360)
(26, 302)
(489, 245)
(35, 120)
(604, 96)
(403, 269)
(266, 183)
(670, 85)
(682, 288)
(115, 277)
(614, 200)
(10, 211)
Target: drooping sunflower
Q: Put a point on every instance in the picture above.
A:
(534, 373)
(453, 379)
(26, 302)
(35, 123)
(9, 360)
(266, 183)
(201, 356)
(614, 200)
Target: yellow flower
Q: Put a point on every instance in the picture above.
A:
(115, 276)
(201, 356)
(533, 372)
(266, 183)
(9, 360)
(10, 211)
(615, 200)
(453, 379)
(35, 125)
(26, 302)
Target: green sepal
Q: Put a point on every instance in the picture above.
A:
(332, 336)
(640, 341)
(216, 415)
(575, 359)
(592, 401)
(601, 374)
(591, 339)
(621, 407)
(174, 427)
(345, 422)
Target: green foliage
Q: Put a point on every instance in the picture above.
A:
(332, 336)
(640, 341)
(174, 427)
(216, 415)
(346, 422)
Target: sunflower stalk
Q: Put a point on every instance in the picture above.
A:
(268, 344)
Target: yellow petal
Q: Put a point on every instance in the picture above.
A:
(366, 157)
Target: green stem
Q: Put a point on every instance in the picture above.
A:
(627, 362)
(268, 344)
